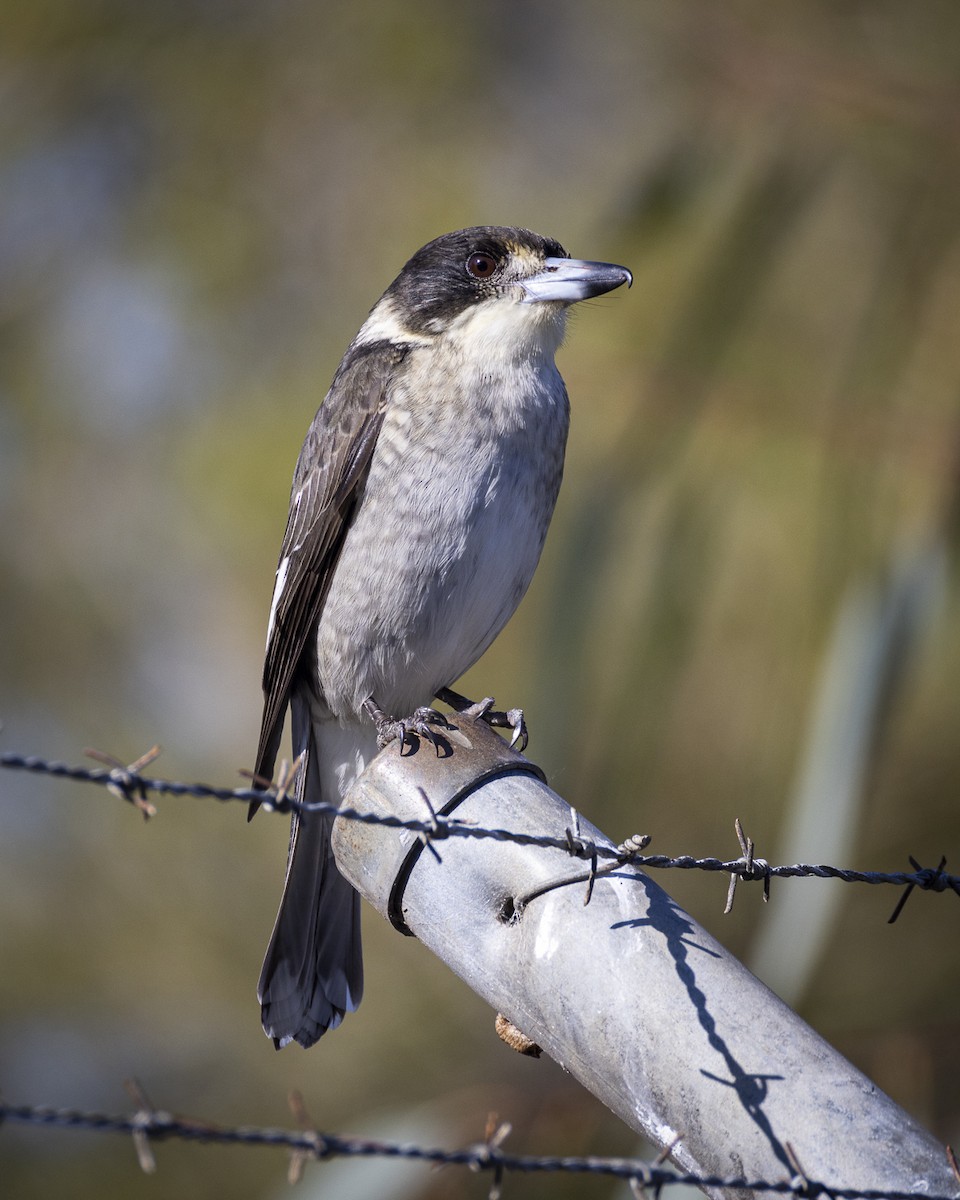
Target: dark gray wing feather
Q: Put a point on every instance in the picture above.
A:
(327, 484)
(313, 971)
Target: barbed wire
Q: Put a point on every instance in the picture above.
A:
(148, 1125)
(131, 785)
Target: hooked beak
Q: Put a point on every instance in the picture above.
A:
(567, 280)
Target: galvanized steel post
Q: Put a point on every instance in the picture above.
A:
(627, 993)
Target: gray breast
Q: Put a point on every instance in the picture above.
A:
(453, 518)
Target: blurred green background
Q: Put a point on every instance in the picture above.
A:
(199, 201)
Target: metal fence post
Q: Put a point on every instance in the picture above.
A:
(627, 992)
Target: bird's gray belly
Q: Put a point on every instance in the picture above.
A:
(434, 564)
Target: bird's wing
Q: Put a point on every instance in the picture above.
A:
(327, 485)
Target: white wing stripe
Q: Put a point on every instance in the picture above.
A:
(277, 592)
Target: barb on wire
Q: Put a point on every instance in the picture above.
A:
(753, 868)
(800, 1184)
(627, 853)
(929, 882)
(318, 1142)
(638, 1184)
(487, 1154)
(132, 786)
(577, 848)
(437, 827)
(279, 794)
(124, 781)
(309, 1143)
(142, 1119)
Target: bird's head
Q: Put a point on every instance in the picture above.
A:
(489, 281)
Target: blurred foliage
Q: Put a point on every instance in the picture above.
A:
(198, 203)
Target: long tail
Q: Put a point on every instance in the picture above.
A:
(313, 969)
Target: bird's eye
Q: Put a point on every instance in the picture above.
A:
(481, 266)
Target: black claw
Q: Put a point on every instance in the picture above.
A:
(516, 722)
(407, 730)
(422, 723)
(483, 710)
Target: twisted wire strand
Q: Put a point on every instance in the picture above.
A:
(133, 786)
(483, 1156)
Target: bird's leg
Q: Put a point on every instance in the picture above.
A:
(418, 724)
(483, 710)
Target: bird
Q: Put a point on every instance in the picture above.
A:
(419, 507)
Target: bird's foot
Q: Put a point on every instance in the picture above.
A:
(483, 710)
(419, 724)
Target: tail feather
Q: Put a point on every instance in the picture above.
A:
(313, 970)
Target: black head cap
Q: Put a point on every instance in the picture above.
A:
(457, 270)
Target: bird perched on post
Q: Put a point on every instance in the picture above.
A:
(419, 508)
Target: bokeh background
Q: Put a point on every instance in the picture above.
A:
(748, 604)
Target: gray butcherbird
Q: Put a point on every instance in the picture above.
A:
(419, 508)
